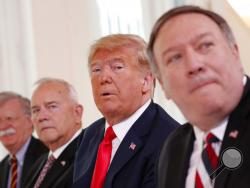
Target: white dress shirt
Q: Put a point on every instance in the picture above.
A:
(123, 127)
(58, 151)
(195, 158)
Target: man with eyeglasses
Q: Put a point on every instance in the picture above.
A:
(16, 136)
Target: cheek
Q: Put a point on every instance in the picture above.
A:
(172, 85)
(94, 89)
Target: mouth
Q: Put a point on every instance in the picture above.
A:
(7, 132)
(106, 94)
(201, 84)
(45, 128)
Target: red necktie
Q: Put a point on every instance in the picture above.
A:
(103, 159)
(209, 159)
(13, 181)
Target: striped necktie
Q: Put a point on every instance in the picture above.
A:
(209, 163)
(13, 181)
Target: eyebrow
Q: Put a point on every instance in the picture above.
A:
(46, 103)
(200, 36)
(118, 58)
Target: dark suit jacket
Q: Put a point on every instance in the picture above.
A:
(34, 151)
(130, 168)
(60, 175)
(176, 152)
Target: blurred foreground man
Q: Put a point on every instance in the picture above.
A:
(134, 126)
(16, 135)
(56, 115)
(195, 57)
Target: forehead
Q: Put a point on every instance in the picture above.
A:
(12, 105)
(185, 26)
(103, 55)
(50, 91)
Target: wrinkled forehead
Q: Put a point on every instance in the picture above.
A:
(50, 91)
(193, 20)
(109, 55)
(186, 26)
(12, 103)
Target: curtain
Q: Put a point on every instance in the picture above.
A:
(17, 66)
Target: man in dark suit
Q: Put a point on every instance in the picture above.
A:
(195, 56)
(122, 86)
(56, 115)
(16, 136)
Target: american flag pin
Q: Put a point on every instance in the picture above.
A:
(63, 163)
(132, 146)
(233, 134)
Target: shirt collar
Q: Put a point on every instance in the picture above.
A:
(218, 131)
(20, 155)
(244, 80)
(123, 127)
(59, 150)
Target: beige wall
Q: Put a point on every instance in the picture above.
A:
(63, 31)
(240, 29)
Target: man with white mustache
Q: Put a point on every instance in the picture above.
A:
(16, 136)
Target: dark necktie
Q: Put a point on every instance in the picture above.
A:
(44, 171)
(103, 159)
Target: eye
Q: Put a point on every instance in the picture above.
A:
(117, 66)
(174, 58)
(35, 110)
(205, 46)
(95, 69)
(52, 106)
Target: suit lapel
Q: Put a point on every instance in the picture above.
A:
(28, 161)
(235, 130)
(35, 173)
(128, 148)
(57, 170)
(184, 149)
(4, 172)
(33, 153)
(132, 143)
(85, 162)
(59, 167)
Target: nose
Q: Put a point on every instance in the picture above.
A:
(194, 63)
(4, 123)
(40, 116)
(106, 75)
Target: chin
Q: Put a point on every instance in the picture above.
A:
(108, 109)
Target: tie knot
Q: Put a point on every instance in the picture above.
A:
(109, 135)
(51, 159)
(211, 138)
(13, 159)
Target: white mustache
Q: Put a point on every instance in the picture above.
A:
(7, 132)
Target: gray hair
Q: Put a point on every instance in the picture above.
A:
(6, 96)
(68, 86)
